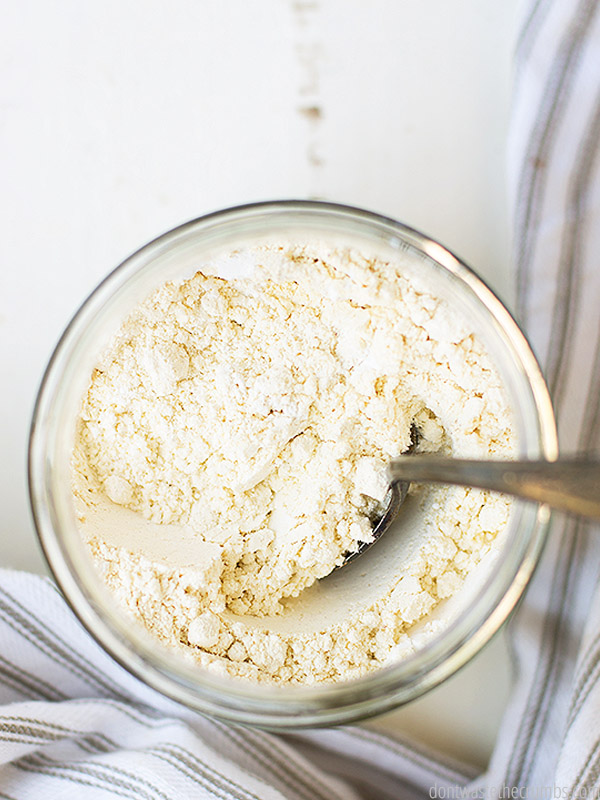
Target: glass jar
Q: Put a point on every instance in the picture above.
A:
(177, 255)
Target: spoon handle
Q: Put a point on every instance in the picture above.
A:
(571, 485)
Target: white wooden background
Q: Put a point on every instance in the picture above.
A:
(123, 118)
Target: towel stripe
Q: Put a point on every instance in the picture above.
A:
(442, 768)
(82, 777)
(529, 731)
(586, 680)
(531, 27)
(575, 789)
(28, 683)
(532, 184)
(279, 764)
(590, 428)
(43, 732)
(569, 286)
(25, 623)
(591, 782)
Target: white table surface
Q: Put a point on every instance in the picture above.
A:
(122, 119)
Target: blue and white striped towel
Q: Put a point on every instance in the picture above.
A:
(73, 724)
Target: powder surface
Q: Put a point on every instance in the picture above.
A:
(249, 422)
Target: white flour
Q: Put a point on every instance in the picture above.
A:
(251, 420)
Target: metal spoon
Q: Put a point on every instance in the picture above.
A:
(569, 484)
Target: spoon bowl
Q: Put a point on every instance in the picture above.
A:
(571, 485)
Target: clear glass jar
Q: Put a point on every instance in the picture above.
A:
(176, 255)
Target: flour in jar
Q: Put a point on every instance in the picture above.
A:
(231, 448)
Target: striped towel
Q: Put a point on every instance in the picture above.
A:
(73, 724)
